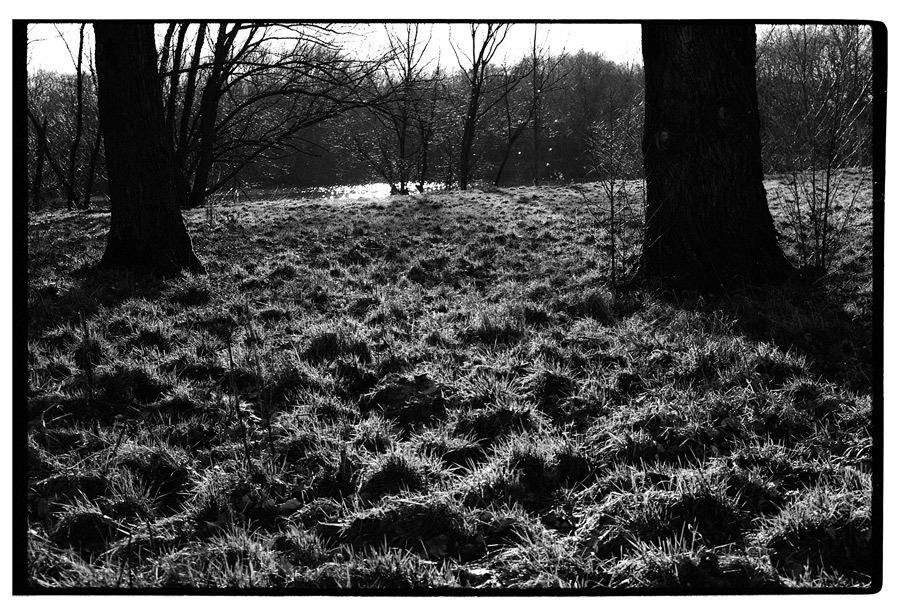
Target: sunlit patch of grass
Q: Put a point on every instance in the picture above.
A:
(163, 469)
(375, 568)
(545, 561)
(680, 564)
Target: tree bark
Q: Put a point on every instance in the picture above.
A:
(707, 221)
(146, 232)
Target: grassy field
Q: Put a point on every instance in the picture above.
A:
(442, 391)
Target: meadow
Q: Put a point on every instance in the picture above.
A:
(443, 392)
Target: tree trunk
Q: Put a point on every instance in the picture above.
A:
(465, 157)
(174, 80)
(72, 197)
(468, 137)
(510, 143)
(146, 232)
(182, 146)
(425, 137)
(92, 171)
(208, 116)
(707, 221)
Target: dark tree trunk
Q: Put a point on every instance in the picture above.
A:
(465, 148)
(73, 200)
(502, 167)
(174, 79)
(92, 170)
(510, 143)
(425, 137)
(146, 231)
(209, 111)
(182, 172)
(707, 221)
(95, 152)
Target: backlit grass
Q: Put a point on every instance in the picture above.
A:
(440, 391)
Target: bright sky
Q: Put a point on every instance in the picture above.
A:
(618, 42)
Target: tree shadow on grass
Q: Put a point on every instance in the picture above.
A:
(91, 288)
(811, 321)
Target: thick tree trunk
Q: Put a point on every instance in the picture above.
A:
(146, 231)
(707, 222)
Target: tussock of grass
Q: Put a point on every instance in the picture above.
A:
(440, 392)
(826, 529)
(396, 472)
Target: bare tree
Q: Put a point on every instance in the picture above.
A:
(816, 88)
(545, 75)
(484, 93)
(395, 145)
(62, 113)
(246, 100)
(616, 155)
(428, 122)
(72, 196)
(95, 150)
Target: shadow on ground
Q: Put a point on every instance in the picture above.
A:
(810, 320)
(87, 290)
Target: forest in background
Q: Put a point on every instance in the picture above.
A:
(279, 106)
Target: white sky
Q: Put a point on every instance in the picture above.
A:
(618, 42)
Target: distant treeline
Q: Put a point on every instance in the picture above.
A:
(245, 110)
